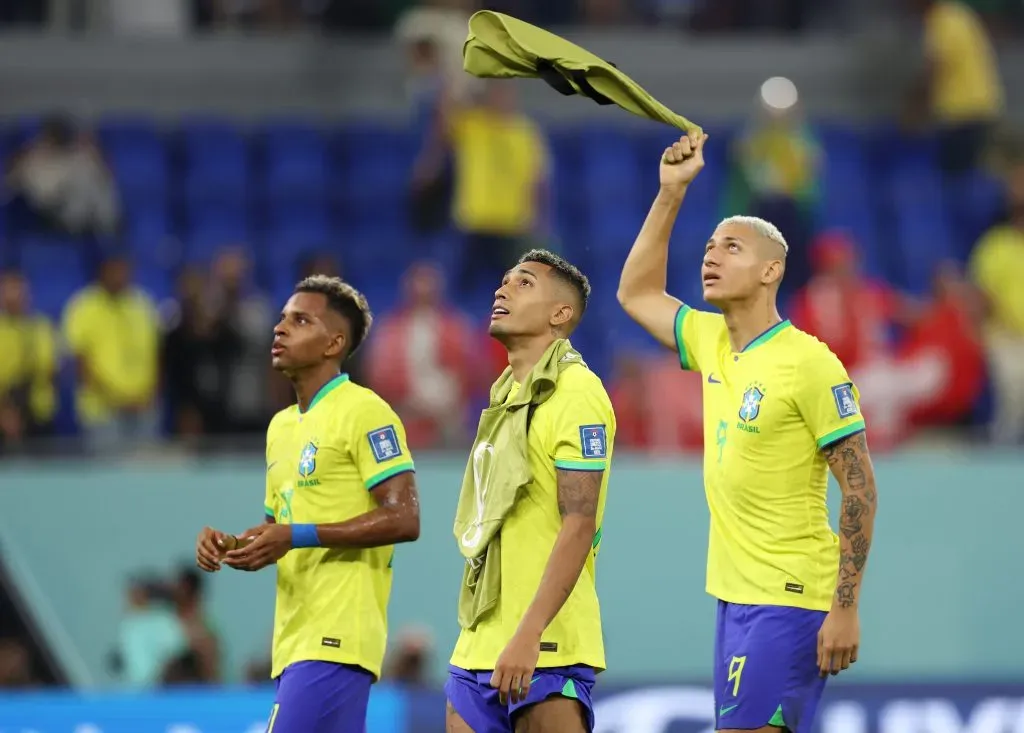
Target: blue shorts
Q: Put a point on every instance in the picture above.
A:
(477, 703)
(766, 667)
(320, 697)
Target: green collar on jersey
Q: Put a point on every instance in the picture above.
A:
(325, 390)
(767, 335)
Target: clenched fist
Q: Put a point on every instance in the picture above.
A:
(681, 162)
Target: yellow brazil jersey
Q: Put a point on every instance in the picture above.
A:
(500, 160)
(967, 86)
(768, 411)
(117, 337)
(573, 430)
(29, 347)
(321, 465)
(996, 264)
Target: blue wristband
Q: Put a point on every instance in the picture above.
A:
(304, 535)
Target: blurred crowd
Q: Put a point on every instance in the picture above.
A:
(280, 16)
(165, 637)
(196, 365)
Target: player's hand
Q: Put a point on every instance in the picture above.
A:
(261, 546)
(210, 548)
(838, 641)
(681, 162)
(513, 674)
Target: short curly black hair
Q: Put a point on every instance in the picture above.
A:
(345, 300)
(565, 271)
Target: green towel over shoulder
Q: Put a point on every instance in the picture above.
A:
(497, 470)
(500, 46)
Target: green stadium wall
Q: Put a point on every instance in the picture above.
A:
(942, 599)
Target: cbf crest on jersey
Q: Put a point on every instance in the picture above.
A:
(307, 460)
(750, 407)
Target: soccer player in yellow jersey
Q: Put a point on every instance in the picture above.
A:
(779, 410)
(340, 493)
(530, 663)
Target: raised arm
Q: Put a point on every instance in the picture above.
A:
(850, 463)
(644, 276)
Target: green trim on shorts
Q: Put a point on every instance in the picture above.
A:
(569, 690)
(777, 719)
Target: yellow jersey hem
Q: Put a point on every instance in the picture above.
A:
(795, 602)
(377, 479)
(548, 663)
(332, 659)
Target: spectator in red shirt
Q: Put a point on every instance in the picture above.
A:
(421, 360)
(849, 312)
(657, 406)
(949, 330)
(938, 370)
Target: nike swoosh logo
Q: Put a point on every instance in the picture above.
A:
(271, 466)
(534, 680)
(726, 711)
(712, 380)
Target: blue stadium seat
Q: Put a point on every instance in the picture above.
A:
(137, 154)
(202, 243)
(296, 160)
(282, 252)
(294, 213)
(56, 268)
(921, 226)
(847, 199)
(373, 165)
(975, 202)
(215, 157)
(609, 168)
(148, 219)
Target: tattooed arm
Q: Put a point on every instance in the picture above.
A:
(851, 465)
(578, 494)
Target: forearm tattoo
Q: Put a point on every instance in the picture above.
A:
(851, 465)
(578, 492)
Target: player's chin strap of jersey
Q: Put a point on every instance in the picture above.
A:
(503, 47)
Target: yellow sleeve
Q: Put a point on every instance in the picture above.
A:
(76, 325)
(943, 36)
(986, 266)
(693, 329)
(269, 504)
(826, 398)
(46, 349)
(269, 495)
(379, 447)
(584, 429)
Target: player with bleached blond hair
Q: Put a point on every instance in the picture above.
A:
(779, 410)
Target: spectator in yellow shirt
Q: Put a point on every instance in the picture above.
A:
(997, 268)
(112, 330)
(961, 81)
(500, 180)
(28, 398)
